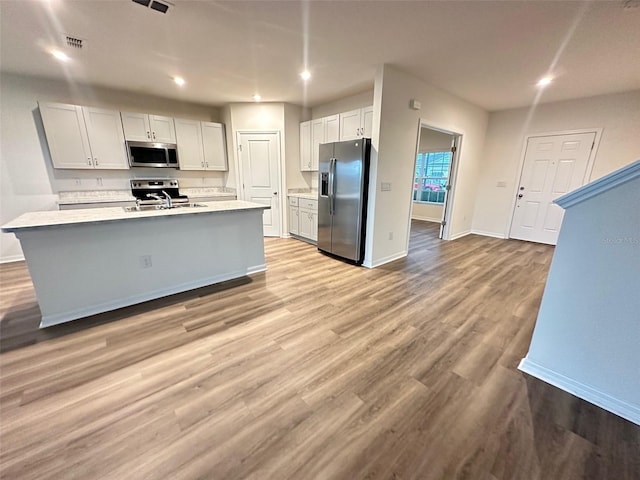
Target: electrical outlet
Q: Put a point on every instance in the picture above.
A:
(385, 186)
(501, 184)
(99, 181)
(145, 261)
(390, 235)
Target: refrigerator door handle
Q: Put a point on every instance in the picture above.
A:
(332, 171)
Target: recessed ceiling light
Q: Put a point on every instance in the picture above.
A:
(63, 57)
(544, 81)
(179, 81)
(306, 75)
(257, 98)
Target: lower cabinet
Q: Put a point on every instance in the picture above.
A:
(303, 218)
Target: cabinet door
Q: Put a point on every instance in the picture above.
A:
(294, 220)
(317, 137)
(367, 122)
(305, 146)
(106, 138)
(314, 225)
(189, 141)
(350, 125)
(136, 126)
(305, 225)
(332, 129)
(66, 135)
(162, 129)
(214, 146)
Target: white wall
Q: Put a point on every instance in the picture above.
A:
(395, 136)
(28, 182)
(587, 336)
(431, 141)
(360, 100)
(618, 115)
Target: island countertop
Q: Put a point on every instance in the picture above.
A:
(55, 218)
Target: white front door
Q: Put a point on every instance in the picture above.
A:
(260, 159)
(553, 166)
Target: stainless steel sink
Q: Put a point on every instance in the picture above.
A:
(145, 208)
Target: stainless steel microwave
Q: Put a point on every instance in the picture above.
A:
(149, 154)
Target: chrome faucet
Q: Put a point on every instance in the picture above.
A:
(168, 198)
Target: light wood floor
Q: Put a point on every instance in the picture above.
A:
(313, 370)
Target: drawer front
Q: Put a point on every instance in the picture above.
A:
(293, 201)
(309, 204)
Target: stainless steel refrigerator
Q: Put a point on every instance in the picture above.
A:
(342, 198)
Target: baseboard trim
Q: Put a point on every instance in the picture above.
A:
(387, 259)
(488, 234)
(426, 219)
(58, 318)
(592, 395)
(460, 235)
(12, 258)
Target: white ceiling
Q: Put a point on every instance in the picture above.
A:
(490, 53)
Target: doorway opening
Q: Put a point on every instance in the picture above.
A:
(433, 182)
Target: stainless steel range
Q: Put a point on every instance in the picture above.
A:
(158, 191)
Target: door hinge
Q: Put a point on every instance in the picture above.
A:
(240, 147)
(443, 223)
(447, 188)
(453, 149)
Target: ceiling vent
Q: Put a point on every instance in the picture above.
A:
(73, 42)
(162, 7)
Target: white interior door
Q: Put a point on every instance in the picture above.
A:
(260, 159)
(553, 166)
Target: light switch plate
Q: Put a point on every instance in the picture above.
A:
(501, 184)
(385, 186)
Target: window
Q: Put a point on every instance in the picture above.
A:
(432, 172)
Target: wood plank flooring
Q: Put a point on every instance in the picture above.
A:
(314, 369)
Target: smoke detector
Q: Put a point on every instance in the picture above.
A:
(162, 7)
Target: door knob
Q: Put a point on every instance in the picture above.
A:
(520, 196)
(521, 188)
(275, 193)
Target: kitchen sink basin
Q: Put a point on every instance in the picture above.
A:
(144, 208)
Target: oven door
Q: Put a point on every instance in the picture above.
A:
(143, 154)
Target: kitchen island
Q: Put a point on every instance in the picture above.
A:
(84, 262)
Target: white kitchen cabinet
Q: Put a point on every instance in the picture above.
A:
(214, 146)
(305, 146)
(293, 216)
(201, 145)
(143, 127)
(323, 130)
(308, 219)
(83, 137)
(303, 218)
(356, 123)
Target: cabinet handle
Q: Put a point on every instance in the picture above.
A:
(202, 164)
(89, 161)
(148, 134)
(154, 135)
(207, 164)
(95, 159)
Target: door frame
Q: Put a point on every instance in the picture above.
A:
(280, 164)
(447, 208)
(516, 181)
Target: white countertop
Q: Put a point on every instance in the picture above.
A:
(56, 218)
(308, 196)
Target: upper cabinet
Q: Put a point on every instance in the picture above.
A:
(323, 130)
(143, 127)
(84, 137)
(356, 123)
(305, 146)
(335, 128)
(201, 145)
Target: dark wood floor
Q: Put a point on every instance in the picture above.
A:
(313, 370)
